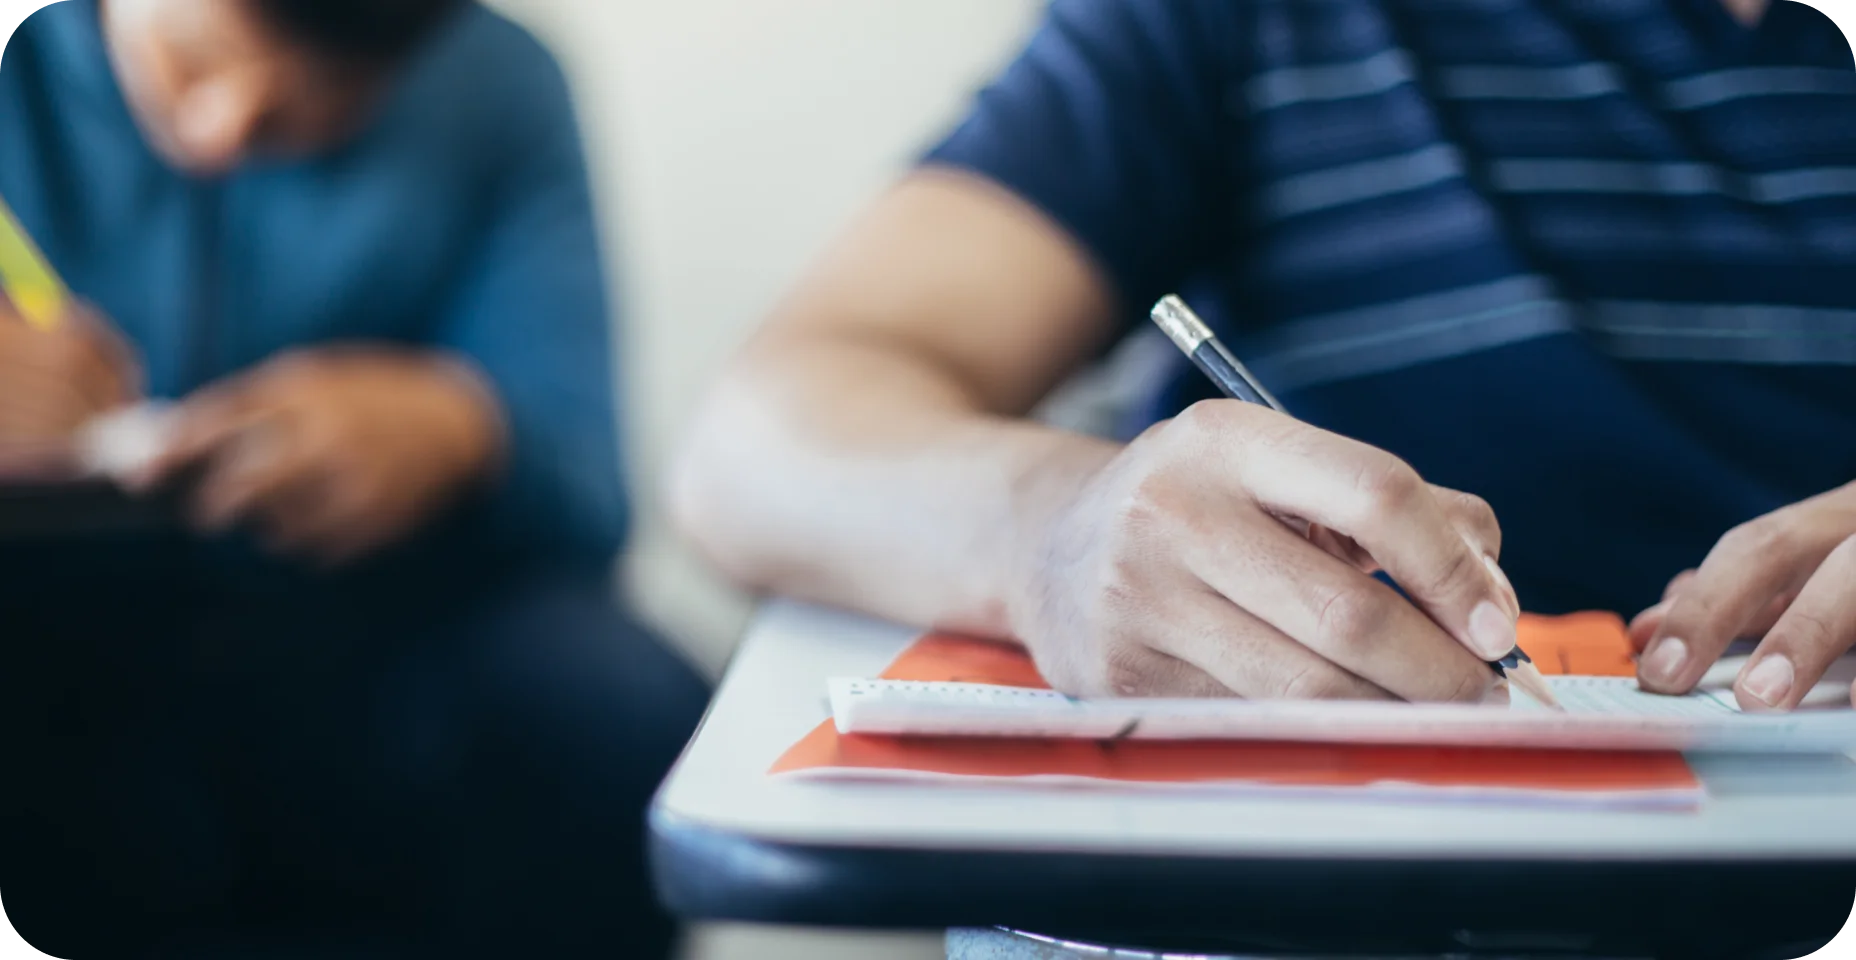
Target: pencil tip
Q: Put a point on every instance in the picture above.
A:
(1529, 679)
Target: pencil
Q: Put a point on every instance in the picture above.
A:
(1197, 341)
(28, 281)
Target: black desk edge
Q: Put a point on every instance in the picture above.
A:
(1741, 909)
(50, 511)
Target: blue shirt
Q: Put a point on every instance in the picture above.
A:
(460, 219)
(1594, 260)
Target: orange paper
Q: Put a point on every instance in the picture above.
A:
(1590, 643)
(1579, 644)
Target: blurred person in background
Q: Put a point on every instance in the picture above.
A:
(379, 693)
(1559, 290)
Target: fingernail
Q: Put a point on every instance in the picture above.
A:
(1769, 680)
(1501, 579)
(1498, 695)
(1491, 632)
(1664, 663)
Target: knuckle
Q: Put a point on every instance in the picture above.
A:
(1311, 682)
(1347, 618)
(1386, 487)
(1228, 421)
(1476, 511)
(1120, 597)
(1765, 539)
(1125, 671)
(1692, 614)
(1204, 417)
(1470, 687)
(1810, 630)
(1459, 570)
(1153, 502)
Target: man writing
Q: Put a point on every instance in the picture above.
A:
(378, 690)
(1582, 267)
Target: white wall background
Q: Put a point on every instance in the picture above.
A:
(730, 140)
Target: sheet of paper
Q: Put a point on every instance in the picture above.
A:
(1314, 770)
(1603, 714)
(946, 686)
(1384, 772)
(1622, 697)
(120, 444)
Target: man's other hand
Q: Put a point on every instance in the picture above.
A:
(54, 382)
(332, 453)
(1789, 577)
(1231, 551)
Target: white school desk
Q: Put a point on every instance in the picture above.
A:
(1768, 861)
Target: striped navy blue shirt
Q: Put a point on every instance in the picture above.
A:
(1594, 260)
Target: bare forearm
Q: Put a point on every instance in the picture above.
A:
(848, 473)
(866, 449)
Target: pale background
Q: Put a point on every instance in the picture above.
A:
(730, 140)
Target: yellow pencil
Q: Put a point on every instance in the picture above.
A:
(28, 281)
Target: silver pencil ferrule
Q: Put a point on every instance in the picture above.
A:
(1181, 325)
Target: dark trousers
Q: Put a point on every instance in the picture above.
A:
(438, 764)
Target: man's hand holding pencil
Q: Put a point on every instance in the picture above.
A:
(1170, 571)
(55, 381)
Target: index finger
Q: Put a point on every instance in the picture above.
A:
(1750, 566)
(1343, 616)
(1382, 503)
(1818, 628)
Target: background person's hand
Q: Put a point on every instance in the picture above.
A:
(333, 453)
(53, 383)
(1789, 577)
(1180, 568)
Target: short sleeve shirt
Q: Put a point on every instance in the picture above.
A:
(1594, 260)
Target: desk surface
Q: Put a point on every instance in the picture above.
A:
(733, 842)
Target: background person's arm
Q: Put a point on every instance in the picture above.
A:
(54, 382)
(532, 314)
(504, 403)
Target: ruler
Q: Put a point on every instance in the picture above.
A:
(1604, 713)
